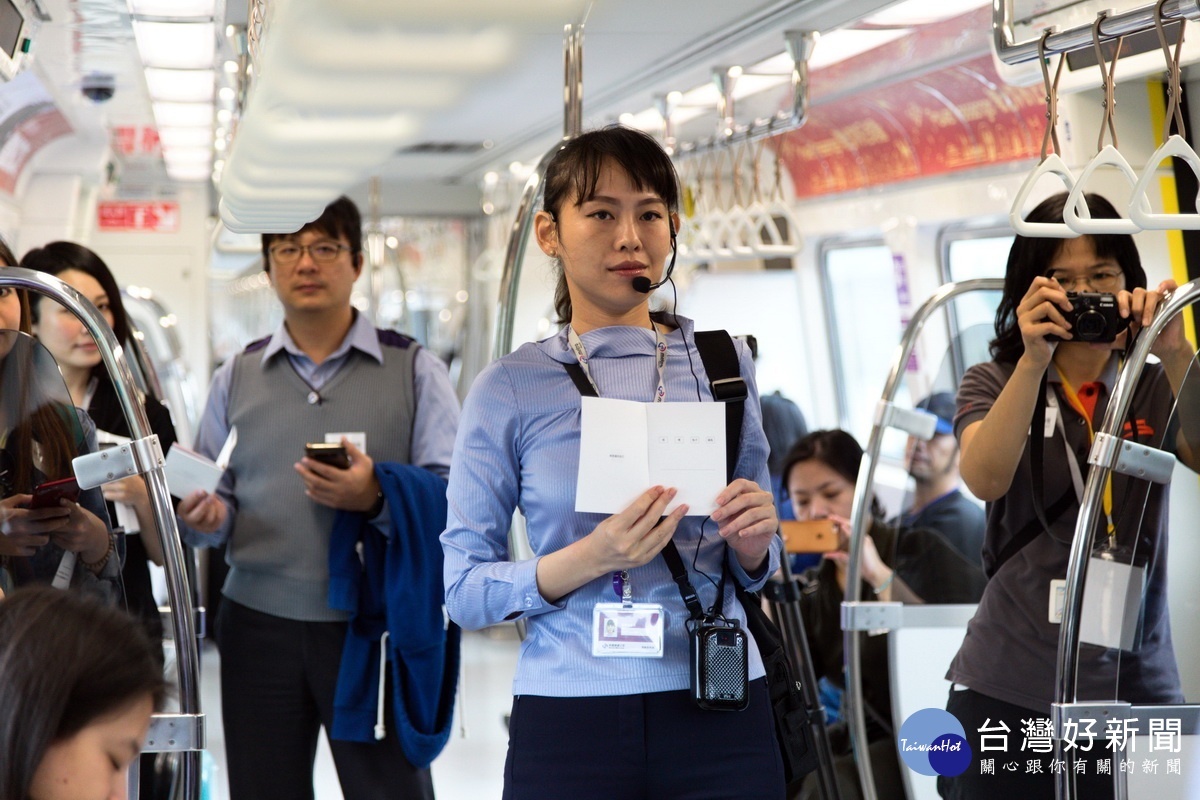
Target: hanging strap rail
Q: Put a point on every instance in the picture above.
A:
(799, 45)
(858, 615)
(1104, 458)
(184, 731)
(1134, 21)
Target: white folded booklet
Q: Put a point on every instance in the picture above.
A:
(186, 471)
(626, 447)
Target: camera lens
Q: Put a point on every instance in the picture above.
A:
(1089, 325)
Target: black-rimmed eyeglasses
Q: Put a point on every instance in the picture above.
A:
(289, 253)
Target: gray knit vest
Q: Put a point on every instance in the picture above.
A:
(279, 548)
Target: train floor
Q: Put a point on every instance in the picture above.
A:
(472, 765)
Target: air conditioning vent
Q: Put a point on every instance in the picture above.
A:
(444, 148)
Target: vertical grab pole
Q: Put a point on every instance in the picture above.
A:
(1067, 669)
(860, 517)
(518, 237)
(183, 615)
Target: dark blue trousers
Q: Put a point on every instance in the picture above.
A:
(277, 685)
(658, 746)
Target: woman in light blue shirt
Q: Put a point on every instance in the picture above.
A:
(625, 724)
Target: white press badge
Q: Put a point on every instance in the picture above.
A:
(1112, 603)
(627, 630)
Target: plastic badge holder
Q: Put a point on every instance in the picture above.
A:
(1139, 205)
(1076, 214)
(1051, 165)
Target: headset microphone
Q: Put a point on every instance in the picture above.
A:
(642, 284)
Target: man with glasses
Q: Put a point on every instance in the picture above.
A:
(325, 374)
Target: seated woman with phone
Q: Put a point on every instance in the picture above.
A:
(820, 473)
(50, 532)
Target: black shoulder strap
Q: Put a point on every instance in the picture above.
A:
(725, 381)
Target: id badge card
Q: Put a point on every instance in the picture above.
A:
(631, 631)
(1112, 603)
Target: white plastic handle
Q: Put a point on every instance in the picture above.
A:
(698, 246)
(781, 210)
(741, 232)
(1139, 204)
(1076, 214)
(1052, 165)
(716, 229)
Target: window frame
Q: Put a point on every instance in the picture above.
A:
(946, 237)
(831, 331)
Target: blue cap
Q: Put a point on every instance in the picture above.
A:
(941, 405)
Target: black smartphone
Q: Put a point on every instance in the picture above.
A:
(331, 453)
(47, 495)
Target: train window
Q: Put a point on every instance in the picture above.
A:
(965, 255)
(864, 326)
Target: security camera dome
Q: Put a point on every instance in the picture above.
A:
(98, 86)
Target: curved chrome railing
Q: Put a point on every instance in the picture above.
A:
(183, 731)
(1103, 460)
(860, 517)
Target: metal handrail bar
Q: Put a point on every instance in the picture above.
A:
(1134, 21)
(860, 516)
(800, 44)
(113, 356)
(522, 227)
(1067, 668)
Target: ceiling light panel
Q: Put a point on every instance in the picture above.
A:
(171, 138)
(176, 9)
(176, 45)
(180, 85)
(923, 12)
(183, 115)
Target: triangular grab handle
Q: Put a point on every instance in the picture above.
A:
(1139, 204)
(1077, 215)
(1051, 165)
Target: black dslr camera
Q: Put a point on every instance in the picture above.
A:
(1094, 317)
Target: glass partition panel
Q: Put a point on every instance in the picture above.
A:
(41, 432)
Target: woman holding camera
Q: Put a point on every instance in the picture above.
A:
(1004, 672)
(586, 725)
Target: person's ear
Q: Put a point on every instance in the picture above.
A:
(674, 224)
(358, 264)
(545, 227)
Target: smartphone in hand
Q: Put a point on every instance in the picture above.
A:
(809, 536)
(331, 453)
(47, 495)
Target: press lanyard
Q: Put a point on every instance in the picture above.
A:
(1077, 404)
(621, 583)
(660, 361)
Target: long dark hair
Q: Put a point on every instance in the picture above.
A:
(31, 408)
(65, 660)
(1030, 257)
(574, 172)
(837, 450)
(59, 257)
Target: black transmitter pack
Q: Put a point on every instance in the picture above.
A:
(720, 665)
(1094, 317)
